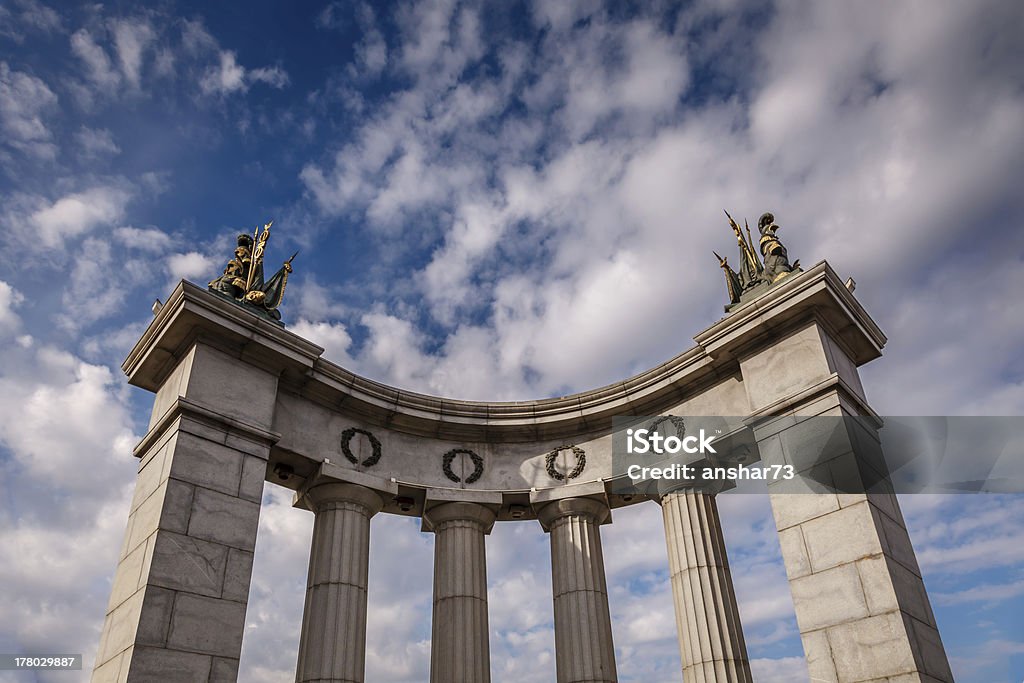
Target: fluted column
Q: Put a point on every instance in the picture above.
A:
(459, 647)
(332, 645)
(584, 652)
(707, 618)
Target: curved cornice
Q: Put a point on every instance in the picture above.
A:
(192, 314)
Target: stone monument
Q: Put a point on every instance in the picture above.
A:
(239, 401)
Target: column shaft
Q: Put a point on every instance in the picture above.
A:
(460, 648)
(332, 644)
(584, 651)
(707, 618)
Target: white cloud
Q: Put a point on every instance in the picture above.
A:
(191, 266)
(333, 337)
(64, 430)
(230, 77)
(131, 39)
(28, 14)
(78, 213)
(274, 76)
(10, 298)
(226, 78)
(96, 142)
(24, 102)
(100, 69)
(145, 239)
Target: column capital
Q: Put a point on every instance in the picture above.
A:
(322, 494)
(437, 515)
(592, 508)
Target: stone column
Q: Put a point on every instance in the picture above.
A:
(332, 643)
(584, 652)
(707, 618)
(459, 647)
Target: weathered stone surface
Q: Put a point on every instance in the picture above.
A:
(791, 509)
(224, 670)
(129, 572)
(791, 541)
(207, 464)
(237, 575)
(158, 664)
(254, 474)
(188, 564)
(871, 648)
(829, 597)
(207, 625)
(223, 519)
(854, 525)
(787, 366)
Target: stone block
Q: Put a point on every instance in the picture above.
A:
(207, 464)
(877, 580)
(244, 443)
(170, 389)
(928, 649)
(109, 671)
(871, 648)
(126, 579)
(188, 564)
(828, 598)
(148, 479)
(224, 519)
(841, 536)
(120, 627)
(886, 503)
(818, 654)
(815, 440)
(231, 386)
(177, 506)
(156, 616)
(791, 541)
(897, 542)
(791, 509)
(208, 625)
(167, 666)
(146, 519)
(237, 575)
(254, 475)
(788, 366)
(224, 670)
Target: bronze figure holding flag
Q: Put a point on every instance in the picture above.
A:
(754, 276)
(243, 279)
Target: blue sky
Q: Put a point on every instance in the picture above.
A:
(501, 201)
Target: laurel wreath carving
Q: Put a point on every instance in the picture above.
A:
(448, 458)
(581, 462)
(346, 450)
(676, 421)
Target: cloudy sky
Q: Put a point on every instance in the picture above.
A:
(501, 201)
